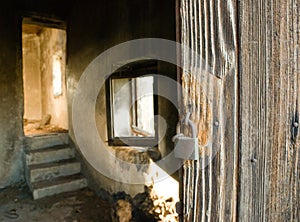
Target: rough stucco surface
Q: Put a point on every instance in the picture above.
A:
(11, 105)
(110, 23)
(53, 43)
(31, 77)
(38, 52)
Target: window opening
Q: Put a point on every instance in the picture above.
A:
(131, 103)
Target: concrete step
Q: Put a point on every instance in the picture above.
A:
(42, 141)
(58, 185)
(49, 171)
(50, 154)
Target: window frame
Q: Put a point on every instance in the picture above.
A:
(132, 70)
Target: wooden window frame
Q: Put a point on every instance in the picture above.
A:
(132, 70)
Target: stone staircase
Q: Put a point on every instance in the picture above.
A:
(51, 167)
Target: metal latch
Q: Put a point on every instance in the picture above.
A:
(186, 147)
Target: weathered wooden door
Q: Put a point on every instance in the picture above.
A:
(242, 87)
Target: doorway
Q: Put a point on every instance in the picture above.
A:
(45, 99)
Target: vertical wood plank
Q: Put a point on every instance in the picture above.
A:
(210, 92)
(269, 109)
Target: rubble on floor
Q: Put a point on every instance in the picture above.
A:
(16, 204)
(32, 127)
(145, 206)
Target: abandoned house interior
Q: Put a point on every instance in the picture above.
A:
(148, 110)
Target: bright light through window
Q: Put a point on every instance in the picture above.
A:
(57, 76)
(133, 107)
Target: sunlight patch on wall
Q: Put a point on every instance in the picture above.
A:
(57, 75)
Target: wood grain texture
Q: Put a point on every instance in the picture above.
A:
(269, 109)
(210, 92)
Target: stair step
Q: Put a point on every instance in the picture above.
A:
(48, 171)
(51, 167)
(58, 185)
(43, 141)
(50, 154)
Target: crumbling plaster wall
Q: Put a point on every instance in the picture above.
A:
(11, 102)
(95, 26)
(53, 42)
(38, 52)
(31, 77)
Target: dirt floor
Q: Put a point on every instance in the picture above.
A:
(16, 204)
(35, 128)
